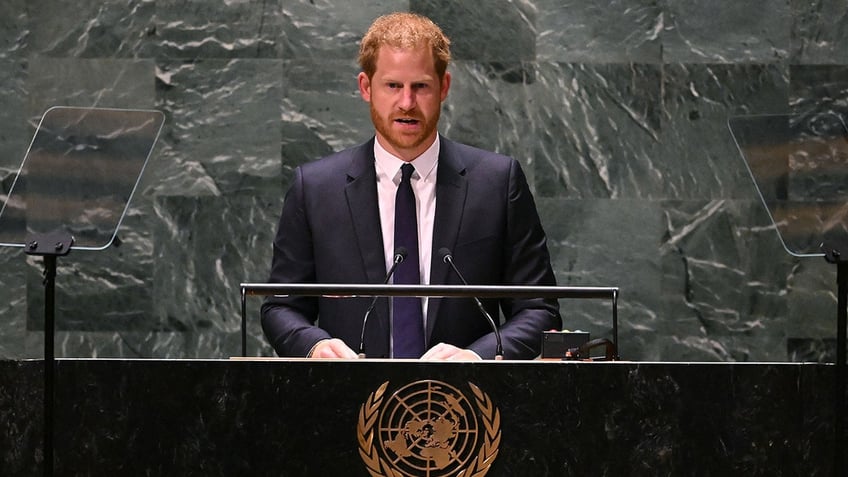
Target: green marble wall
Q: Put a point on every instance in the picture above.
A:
(616, 108)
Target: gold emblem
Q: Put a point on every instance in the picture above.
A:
(428, 429)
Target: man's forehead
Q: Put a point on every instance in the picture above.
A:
(391, 59)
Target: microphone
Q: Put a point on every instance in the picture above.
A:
(400, 256)
(445, 253)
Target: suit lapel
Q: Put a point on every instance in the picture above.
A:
(451, 189)
(362, 202)
(361, 192)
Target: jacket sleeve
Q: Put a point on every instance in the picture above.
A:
(289, 323)
(525, 261)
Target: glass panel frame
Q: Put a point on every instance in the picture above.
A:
(79, 174)
(799, 165)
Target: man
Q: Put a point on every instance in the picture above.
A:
(338, 224)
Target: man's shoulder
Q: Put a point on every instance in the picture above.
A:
(467, 149)
(340, 159)
(473, 156)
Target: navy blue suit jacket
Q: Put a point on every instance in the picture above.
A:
(329, 232)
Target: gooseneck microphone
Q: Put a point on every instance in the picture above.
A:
(445, 253)
(400, 256)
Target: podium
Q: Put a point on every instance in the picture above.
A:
(304, 418)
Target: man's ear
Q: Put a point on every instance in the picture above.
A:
(445, 86)
(364, 86)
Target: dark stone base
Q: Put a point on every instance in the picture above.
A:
(304, 418)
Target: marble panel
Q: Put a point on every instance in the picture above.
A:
(99, 290)
(15, 134)
(596, 130)
(106, 83)
(222, 130)
(488, 106)
(496, 30)
(328, 30)
(14, 29)
(103, 29)
(607, 31)
(206, 247)
(812, 304)
(699, 159)
(588, 249)
(724, 283)
(191, 29)
(726, 32)
(13, 305)
(819, 32)
(819, 89)
(322, 110)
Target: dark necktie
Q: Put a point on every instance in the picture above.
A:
(408, 321)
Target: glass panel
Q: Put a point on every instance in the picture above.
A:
(799, 165)
(78, 175)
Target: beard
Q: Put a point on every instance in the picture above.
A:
(400, 141)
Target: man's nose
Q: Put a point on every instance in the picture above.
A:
(407, 99)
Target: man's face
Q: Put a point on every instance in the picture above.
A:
(406, 96)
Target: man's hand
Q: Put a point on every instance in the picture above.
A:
(333, 348)
(446, 352)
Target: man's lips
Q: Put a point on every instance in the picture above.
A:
(407, 121)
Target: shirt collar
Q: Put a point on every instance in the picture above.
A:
(390, 165)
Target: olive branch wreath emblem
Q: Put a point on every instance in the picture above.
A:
(378, 467)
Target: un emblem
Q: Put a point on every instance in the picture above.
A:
(430, 429)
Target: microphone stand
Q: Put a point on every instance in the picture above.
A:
(447, 258)
(400, 256)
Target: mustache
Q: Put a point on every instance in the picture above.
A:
(415, 116)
